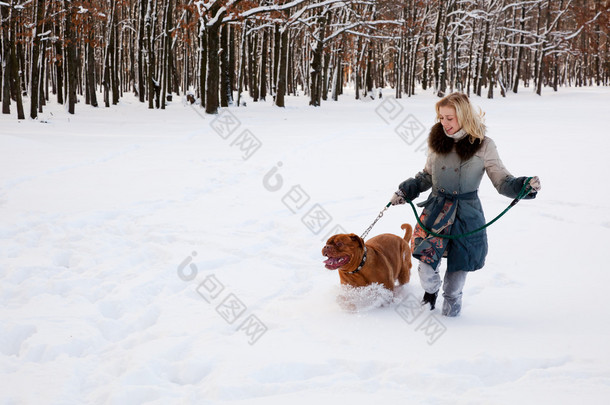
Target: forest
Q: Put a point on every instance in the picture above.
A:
(215, 53)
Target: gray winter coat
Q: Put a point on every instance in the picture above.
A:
(454, 171)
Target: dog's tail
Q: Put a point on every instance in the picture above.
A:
(408, 231)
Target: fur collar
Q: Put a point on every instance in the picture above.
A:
(442, 144)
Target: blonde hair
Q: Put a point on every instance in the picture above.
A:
(470, 120)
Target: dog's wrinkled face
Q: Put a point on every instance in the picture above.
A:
(342, 251)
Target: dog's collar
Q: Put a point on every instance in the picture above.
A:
(361, 263)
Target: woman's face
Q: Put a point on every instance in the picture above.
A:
(449, 120)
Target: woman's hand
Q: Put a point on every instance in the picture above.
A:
(534, 183)
(397, 198)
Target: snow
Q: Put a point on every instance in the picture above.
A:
(214, 20)
(126, 233)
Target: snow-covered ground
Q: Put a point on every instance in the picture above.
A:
(170, 257)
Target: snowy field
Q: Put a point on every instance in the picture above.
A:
(170, 258)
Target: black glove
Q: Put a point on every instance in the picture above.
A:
(409, 189)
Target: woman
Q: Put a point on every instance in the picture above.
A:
(458, 155)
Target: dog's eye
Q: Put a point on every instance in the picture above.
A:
(339, 244)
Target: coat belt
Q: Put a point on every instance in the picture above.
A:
(439, 200)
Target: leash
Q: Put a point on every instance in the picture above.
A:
(524, 191)
(375, 221)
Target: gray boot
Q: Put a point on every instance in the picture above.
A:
(452, 292)
(452, 307)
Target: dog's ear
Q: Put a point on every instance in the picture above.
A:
(357, 239)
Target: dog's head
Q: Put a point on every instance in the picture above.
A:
(344, 251)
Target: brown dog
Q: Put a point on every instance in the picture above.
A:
(383, 259)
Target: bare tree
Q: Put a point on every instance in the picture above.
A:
(209, 49)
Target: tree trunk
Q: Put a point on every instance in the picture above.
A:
(437, 42)
(414, 65)
(276, 56)
(108, 58)
(226, 95)
(35, 68)
(490, 80)
(368, 72)
(337, 74)
(536, 57)
(325, 75)
(16, 85)
(291, 75)
(150, 54)
(542, 51)
(203, 62)
(357, 67)
(43, 85)
(231, 48)
(252, 67)
(263, 65)
(114, 72)
(59, 63)
(442, 83)
(90, 80)
(130, 81)
(598, 52)
(72, 60)
(282, 68)
(483, 73)
(165, 69)
(555, 73)
(212, 82)
(315, 72)
(141, 50)
(6, 62)
(425, 79)
(517, 73)
(242, 58)
(398, 67)
(172, 79)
